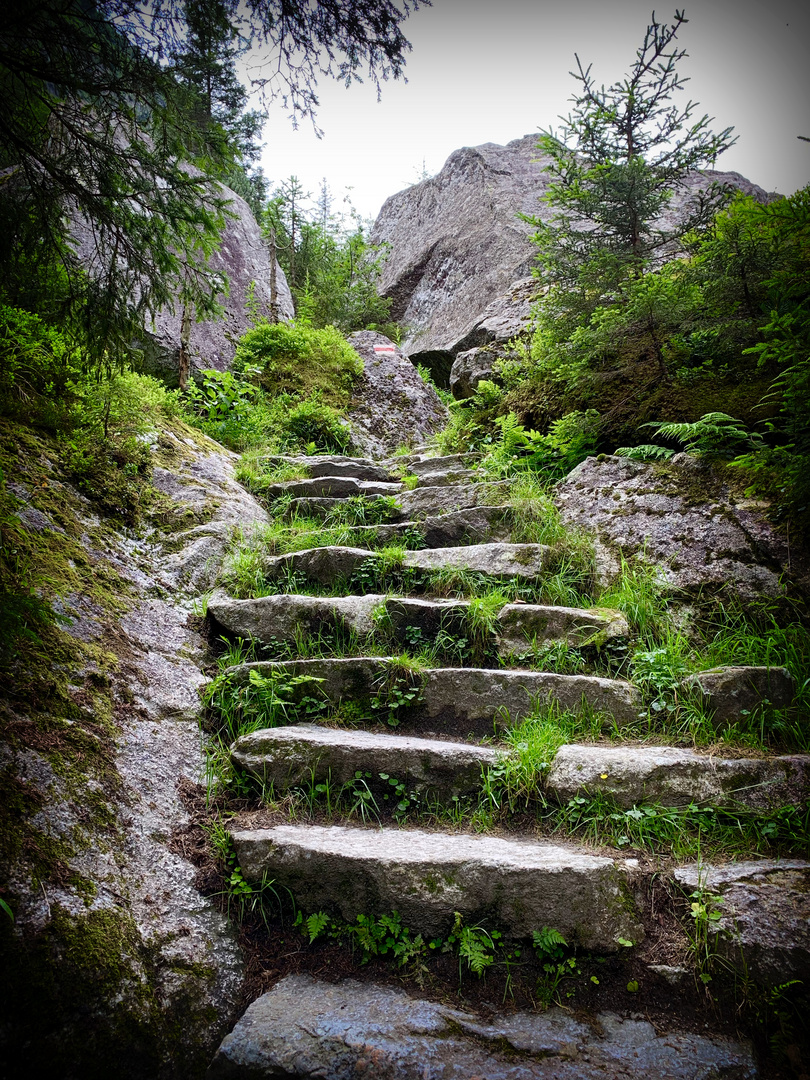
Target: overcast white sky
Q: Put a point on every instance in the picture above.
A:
(494, 70)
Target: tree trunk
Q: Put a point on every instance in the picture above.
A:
(185, 355)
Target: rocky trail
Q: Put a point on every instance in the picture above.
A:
(367, 767)
(442, 727)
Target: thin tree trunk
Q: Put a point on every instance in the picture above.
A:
(185, 355)
(273, 282)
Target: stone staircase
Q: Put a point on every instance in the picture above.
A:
(448, 734)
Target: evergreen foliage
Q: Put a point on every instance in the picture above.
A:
(332, 270)
(619, 158)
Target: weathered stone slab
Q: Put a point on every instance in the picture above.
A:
(322, 564)
(429, 616)
(306, 753)
(493, 560)
(330, 487)
(391, 405)
(471, 699)
(424, 465)
(676, 777)
(521, 625)
(307, 1028)
(319, 465)
(519, 884)
(477, 525)
(730, 692)
(447, 477)
(430, 501)
(765, 925)
(320, 508)
(340, 679)
(467, 700)
(327, 564)
(286, 616)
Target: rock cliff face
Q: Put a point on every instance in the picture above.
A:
(245, 259)
(116, 963)
(457, 246)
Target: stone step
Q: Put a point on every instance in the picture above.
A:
(476, 525)
(334, 465)
(523, 626)
(676, 777)
(764, 908)
(334, 487)
(415, 505)
(462, 701)
(431, 501)
(323, 508)
(306, 753)
(328, 564)
(308, 1027)
(446, 478)
(521, 885)
(418, 463)
(287, 616)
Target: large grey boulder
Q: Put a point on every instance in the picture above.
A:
(426, 877)
(391, 404)
(673, 776)
(764, 924)
(457, 245)
(679, 516)
(307, 1028)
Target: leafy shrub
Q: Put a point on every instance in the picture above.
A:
(311, 421)
(300, 360)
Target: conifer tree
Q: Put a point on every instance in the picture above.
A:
(618, 160)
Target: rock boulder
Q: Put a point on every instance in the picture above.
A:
(392, 405)
(457, 247)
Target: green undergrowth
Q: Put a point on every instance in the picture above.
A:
(288, 391)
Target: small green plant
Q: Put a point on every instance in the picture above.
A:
(705, 913)
(550, 948)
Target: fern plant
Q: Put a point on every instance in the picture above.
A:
(715, 434)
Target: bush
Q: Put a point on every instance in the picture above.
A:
(315, 424)
(297, 359)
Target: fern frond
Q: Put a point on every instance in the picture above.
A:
(645, 452)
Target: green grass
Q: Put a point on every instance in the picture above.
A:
(684, 832)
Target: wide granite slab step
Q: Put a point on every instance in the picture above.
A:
(519, 885)
(415, 505)
(432, 500)
(305, 1027)
(334, 487)
(331, 563)
(476, 525)
(306, 753)
(286, 617)
(418, 463)
(673, 776)
(456, 700)
(522, 627)
(334, 465)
